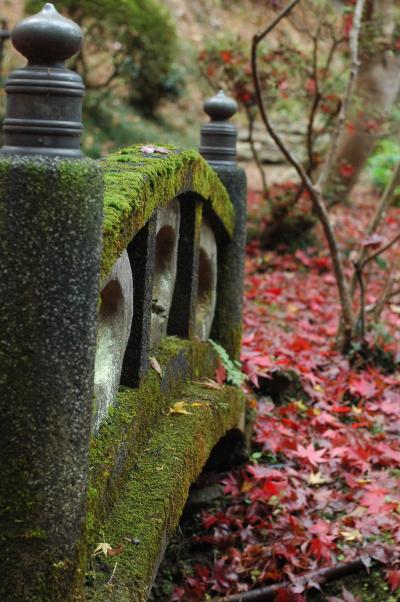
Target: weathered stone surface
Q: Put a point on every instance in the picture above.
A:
(50, 253)
(113, 331)
(227, 325)
(168, 222)
(206, 282)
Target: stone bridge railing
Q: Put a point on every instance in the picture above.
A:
(114, 275)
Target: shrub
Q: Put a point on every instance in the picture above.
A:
(382, 164)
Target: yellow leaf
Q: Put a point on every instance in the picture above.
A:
(351, 535)
(301, 406)
(179, 407)
(199, 404)
(356, 410)
(247, 486)
(102, 547)
(316, 478)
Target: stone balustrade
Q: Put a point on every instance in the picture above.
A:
(114, 276)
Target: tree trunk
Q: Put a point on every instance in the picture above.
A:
(376, 89)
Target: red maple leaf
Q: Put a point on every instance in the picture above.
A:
(375, 499)
(310, 454)
(393, 577)
(220, 373)
(362, 387)
(346, 170)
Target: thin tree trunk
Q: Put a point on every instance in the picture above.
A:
(375, 91)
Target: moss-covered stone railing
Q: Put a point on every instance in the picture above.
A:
(137, 183)
(134, 490)
(115, 274)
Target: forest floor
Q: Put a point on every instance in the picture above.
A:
(321, 486)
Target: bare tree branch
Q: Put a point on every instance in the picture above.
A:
(276, 21)
(314, 107)
(360, 326)
(379, 252)
(315, 194)
(380, 212)
(384, 297)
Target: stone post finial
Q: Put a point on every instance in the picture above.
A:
(44, 99)
(218, 137)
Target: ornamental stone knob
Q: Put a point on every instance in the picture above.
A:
(44, 99)
(220, 107)
(218, 136)
(47, 38)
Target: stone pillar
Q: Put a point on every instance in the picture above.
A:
(50, 251)
(141, 252)
(218, 147)
(182, 317)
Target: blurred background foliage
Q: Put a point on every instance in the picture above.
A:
(149, 64)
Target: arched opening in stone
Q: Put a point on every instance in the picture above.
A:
(205, 283)
(165, 245)
(110, 299)
(165, 264)
(113, 330)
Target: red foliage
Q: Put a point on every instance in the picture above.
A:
(327, 487)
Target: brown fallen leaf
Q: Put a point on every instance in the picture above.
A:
(209, 383)
(156, 366)
(116, 551)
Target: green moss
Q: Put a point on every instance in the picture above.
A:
(125, 432)
(152, 500)
(136, 183)
(143, 461)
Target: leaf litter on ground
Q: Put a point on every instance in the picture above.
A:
(332, 493)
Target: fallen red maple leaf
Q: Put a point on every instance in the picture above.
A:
(393, 577)
(310, 454)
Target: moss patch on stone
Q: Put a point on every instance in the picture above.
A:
(126, 430)
(154, 496)
(124, 434)
(136, 183)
